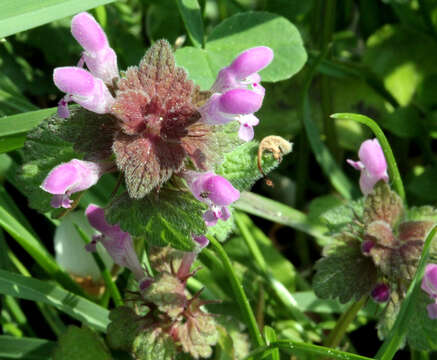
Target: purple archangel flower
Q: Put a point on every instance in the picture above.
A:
(237, 93)
(82, 87)
(117, 242)
(99, 57)
(429, 285)
(69, 178)
(381, 292)
(215, 191)
(236, 104)
(372, 165)
(243, 72)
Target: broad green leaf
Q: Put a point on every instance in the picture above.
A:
(343, 215)
(240, 166)
(25, 348)
(238, 33)
(344, 273)
(76, 306)
(22, 123)
(81, 344)
(196, 62)
(192, 17)
(402, 63)
(245, 30)
(422, 330)
(170, 217)
(21, 15)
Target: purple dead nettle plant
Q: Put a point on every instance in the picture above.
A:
(166, 128)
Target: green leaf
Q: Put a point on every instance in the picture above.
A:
(26, 14)
(238, 33)
(270, 336)
(25, 348)
(344, 273)
(169, 217)
(76, 306)
(344, 215)
(81, 344)
(240, 166)
(196, 63)
(190, 12)
(245, 30)
(22, 123)
(422, 330)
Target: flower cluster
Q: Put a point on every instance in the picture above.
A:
(166, 130)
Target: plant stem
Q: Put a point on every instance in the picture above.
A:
(397, 332)
(393, 170)
(305, 348)
(107, 278)
(240, 295)
(337, 334)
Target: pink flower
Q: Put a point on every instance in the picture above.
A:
(117, 242)
(237, 104)
(215, 191)
(99, 57)
(69, 178)
(429, 285)
(372, 165)
(82, 88)
(243, 72)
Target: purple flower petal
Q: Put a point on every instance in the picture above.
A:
(372, 156)
(240, 101)
(432, 310)
(429, 281)
(210, 218)
(61, 179)
(246, 132)
(84, 88)
(220, 191)
(63, 111)
(202, 241)
(88, 33)
(381, 292)
(251, 61)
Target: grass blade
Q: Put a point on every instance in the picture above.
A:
(25, 348)
(20, 15)
(190, 12)
(36, 290)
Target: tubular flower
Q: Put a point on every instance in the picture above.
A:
(117, 243)
(99, 57)
(69, 178)
(372, 165)
(216, 192)
(381, 292)
(237, 104)
(83, 88)
(243, 72)
(237, 93)
(429, 285)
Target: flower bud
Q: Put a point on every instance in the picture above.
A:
(83, 88)
(372, 165)
(381, 292)
(69, 178)
(117, 242)
(99, 57)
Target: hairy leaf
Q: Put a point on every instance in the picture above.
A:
(343, 216)
(383, 204)
(169, 217)
(81, 344)
(422, 330)
(345, 273)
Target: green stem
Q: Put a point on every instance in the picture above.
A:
(307, 349)
(343, 323)
(240, 295)
(393, 170)
(395, 338)
(107, 278)
(278, 288)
